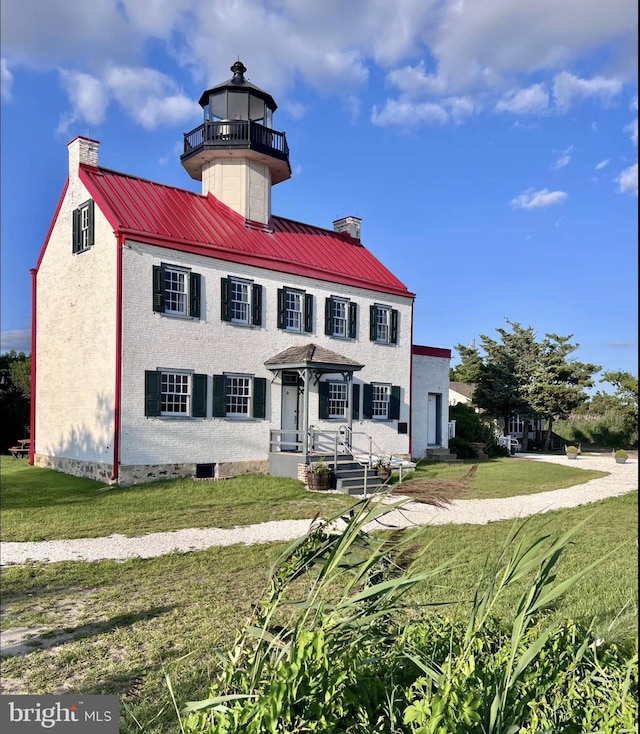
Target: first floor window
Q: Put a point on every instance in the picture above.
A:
(83, 226)
(380, 406)
(334, 400)
(239, 396)
(175, 393)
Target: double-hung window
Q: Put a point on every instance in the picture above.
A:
(176, 291)
(239, 396)
(241, 301)
(175, 394)
(83, 226)
(340, 318)
(383, 324)
(295, 310)
(381, 401)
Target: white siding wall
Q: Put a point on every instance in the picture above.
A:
(75, 332)
(430, 375)
(212, 346)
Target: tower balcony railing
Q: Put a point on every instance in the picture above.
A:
(236, 134)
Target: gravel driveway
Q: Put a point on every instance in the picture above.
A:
(622, 478)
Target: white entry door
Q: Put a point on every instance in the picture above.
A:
(289, 417)
(432, 420)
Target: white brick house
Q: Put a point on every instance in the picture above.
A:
(177, 333)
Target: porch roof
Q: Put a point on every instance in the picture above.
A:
(314, 357)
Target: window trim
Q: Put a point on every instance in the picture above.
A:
(350, 318)
(192, 293)
(254, 303)
(392, 323)
(196, 396)
(258, 397)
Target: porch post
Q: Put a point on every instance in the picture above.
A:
(305, 422)
(349, 376)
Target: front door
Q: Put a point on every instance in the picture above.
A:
(289, 420)
(433, 420)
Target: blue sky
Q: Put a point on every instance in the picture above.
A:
(490, 147)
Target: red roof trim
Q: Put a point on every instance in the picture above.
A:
(51, 226)
(431, 351)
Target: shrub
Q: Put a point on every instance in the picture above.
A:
(469, 424)
(621, 454)
(463, 448)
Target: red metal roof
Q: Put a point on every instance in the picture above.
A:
(183, 220)
(431, 351)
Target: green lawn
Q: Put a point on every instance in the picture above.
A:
(40, 504)
(118, 625)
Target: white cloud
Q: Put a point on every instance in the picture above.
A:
(602, 164)
(533, 100)
(567, 88)
(494, 54)
(628, 180)
(408, 114)
(531, 199)
(6, 79)
(563, 159)
(88, 97)
(20, 340)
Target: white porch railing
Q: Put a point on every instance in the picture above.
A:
(451, 429)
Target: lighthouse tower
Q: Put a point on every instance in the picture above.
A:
(236, 153)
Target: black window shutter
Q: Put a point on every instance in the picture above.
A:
(323, 405)
(259, 397)
(355, 408)
(394, 326)
(256, 305)
(353, 320)
(194, 295)
(219, 396)
(328, 316)
(394, 403)
(308, 312)
(367, 401)
(76, 230)
(90, 223)
(152, 393)
(281, 308)
(158, 288)
(225, 299)
(373, 326)
(199, 397)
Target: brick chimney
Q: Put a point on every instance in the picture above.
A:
(82, 150)
(350, 225)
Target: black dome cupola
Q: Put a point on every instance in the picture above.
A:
(238, 123)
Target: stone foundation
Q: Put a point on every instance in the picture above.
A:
(143, 473)
(76, 467)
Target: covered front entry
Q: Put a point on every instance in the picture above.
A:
(300, 369)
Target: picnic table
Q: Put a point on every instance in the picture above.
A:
(22, 449)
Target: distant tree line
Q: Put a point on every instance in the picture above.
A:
(537, 378)
(15, 397)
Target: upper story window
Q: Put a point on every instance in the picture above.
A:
(241, 302)
(176, 291)
(340, 318)
(295, 310)
(383, 325)
(175, 394)
(83, 226)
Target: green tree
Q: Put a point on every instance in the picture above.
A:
(559, 383)
(469, 368)
(15, 397)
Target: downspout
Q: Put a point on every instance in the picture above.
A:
(411, 386)
(32, 410)
(118, 387)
